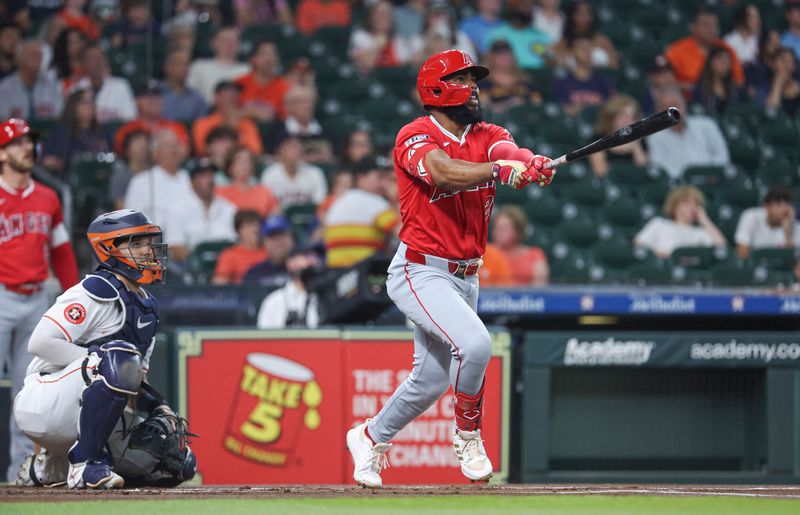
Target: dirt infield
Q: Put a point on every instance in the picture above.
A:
(14, 494)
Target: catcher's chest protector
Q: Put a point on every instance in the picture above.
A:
(141, 314)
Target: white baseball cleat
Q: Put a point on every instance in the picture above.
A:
(42, 469)
(369, 459)
(475, 464)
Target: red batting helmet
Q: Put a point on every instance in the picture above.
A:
(15, 128)
(434, 91)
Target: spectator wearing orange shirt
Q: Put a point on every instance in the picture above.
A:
(263, 89)
(243, 191)
(73, 16)
(226, 113)
(148, 103)
(313, 14)
(496, 270)
(508, 234)
(688, 55)
(235, 261)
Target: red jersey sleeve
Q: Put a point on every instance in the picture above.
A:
(413, 144)
(498, 137)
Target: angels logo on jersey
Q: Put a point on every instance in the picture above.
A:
(75, 313)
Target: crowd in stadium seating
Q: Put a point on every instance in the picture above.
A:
(225, 115)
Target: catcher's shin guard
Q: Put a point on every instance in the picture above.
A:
(101, 408)
(468, 410)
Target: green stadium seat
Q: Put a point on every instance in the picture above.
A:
(779, 172)
(203, 259)
(694, 257)
(591, 193)
(625, 214)
(335, 39)
(774, 258)
(655, 272)
(88, 177)
(619, 254)
(581, 233)
(546, 211)
(571, 269)
(708, 178)
(560, 131)
(629, 174)
(735, 273)
(779, 130)
(572, 173)
(301, 217)
(740, 193)
(399, 80)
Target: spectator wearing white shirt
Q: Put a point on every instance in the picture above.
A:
(203, 216)
(291, 180)
(204, 74)
(688, 225)
(745, 34)
(28, 93)
(292, 305)
(549, 18)
(154, 191)
(773, 225)
(695, 141)
(113, 96)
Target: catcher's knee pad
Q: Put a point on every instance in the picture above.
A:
(120, 366)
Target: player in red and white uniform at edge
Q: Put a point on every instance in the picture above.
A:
(447, 166)
(32, 238)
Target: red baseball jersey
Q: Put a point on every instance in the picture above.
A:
(439, 222)
(31, 223)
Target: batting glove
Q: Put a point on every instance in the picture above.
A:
(511, 173)
(537, 173)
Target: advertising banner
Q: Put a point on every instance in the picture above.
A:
(663, 349)
(273, 407)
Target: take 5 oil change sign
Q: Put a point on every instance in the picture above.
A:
(273, 407)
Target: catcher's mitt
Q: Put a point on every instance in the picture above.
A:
(163, 436)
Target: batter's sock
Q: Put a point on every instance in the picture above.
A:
(469, 410)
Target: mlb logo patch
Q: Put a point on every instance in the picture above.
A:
(75, 313)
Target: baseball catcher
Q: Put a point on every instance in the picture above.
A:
(86, 401)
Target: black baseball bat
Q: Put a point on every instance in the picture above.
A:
(644, 127)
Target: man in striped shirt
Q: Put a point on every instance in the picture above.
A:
(361, 221)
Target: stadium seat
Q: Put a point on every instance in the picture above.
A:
(779, 172)
(739, 194)
(625, 215)
(399, 80)
(302, 217)
(203, 259)
(656, 272)
(88, 177)
(589, 194)
(708, 178)
(335, 39)
(694, 257)
(581, 233)
(737, 273)
(546, 211)
(779, 130)
(571, 269)
(619, 254)
(774, 258)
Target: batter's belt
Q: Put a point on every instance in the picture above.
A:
(460, 269)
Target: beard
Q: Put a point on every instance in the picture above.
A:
(463, 114)
(24, 164)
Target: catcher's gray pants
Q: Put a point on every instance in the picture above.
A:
(452, 347)
(19, 314)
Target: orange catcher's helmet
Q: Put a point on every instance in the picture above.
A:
(435, 92)
(15, 128)
(115, 238)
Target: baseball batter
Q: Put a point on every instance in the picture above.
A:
(32, 238)
(447, 165)
(92, 350)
